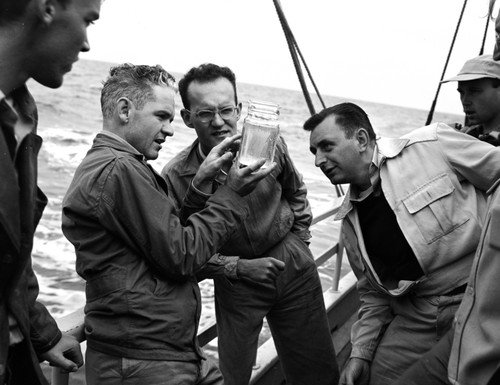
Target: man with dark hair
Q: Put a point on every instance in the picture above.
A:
(39, 39)
(265, 269)
(411, 224)
(470, 353)
(479, 89)
(143, 302)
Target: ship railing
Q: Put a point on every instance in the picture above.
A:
(341, 302)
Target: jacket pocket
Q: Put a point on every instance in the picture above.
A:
(432, 208)
(106, 284)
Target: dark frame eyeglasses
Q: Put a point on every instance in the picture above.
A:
(206, 116)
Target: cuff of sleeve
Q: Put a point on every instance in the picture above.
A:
(231, 271)
(50, 344)
(195, 197)
(359, 351)
(305, 235)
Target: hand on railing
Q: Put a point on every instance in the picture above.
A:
(66, 354)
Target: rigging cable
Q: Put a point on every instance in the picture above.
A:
(481, 51)
(433, 107)
(296, 54)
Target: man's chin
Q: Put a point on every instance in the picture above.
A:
(472, 120)
(51, 82)
(218, 140)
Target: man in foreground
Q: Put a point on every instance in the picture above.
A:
(470, 353)
(143, 302)
(39, 39)
(479, 89)
(411, 224)
(274, 274)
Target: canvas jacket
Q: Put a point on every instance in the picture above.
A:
(137, 259)
(21, 206)
(475, 353)
(279, 205)
(435, 180)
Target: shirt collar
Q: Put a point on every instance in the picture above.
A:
(200, 152)
(357, 195)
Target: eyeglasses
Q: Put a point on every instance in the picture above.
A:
(206, 116)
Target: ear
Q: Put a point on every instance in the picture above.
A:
(47, 10)
(124, 108)
(186, 116)
(363, 139)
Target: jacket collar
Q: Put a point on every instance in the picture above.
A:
(109, 139)
(10, 217)
(386, 148)
(390, 147)
(193, 159)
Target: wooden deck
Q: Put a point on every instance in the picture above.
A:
(341, 302)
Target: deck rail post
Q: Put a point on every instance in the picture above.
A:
(59, 377)
(338, 261)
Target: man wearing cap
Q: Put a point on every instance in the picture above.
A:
(479, 89)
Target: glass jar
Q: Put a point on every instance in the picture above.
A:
(260, 132)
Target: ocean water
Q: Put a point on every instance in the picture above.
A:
(70, 117)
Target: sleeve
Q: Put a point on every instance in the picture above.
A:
(219, 266)
(44, 333)
(475, 160)
(187, 198)
(195, 200)
(131, 204)
(373, 318)
(295, 191)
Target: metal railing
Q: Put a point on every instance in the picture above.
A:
(340, 301)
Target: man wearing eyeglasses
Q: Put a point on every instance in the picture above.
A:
(266, 268)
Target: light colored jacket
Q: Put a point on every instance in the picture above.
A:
(475, 354)
(435, 180)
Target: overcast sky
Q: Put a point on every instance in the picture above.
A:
(388, 51)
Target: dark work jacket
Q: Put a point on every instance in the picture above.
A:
(143, 301)
(21, 206)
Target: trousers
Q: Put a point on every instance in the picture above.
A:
(295, 311)
(419, 323)
(432, 368)
(19, 369)
(103, 369)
